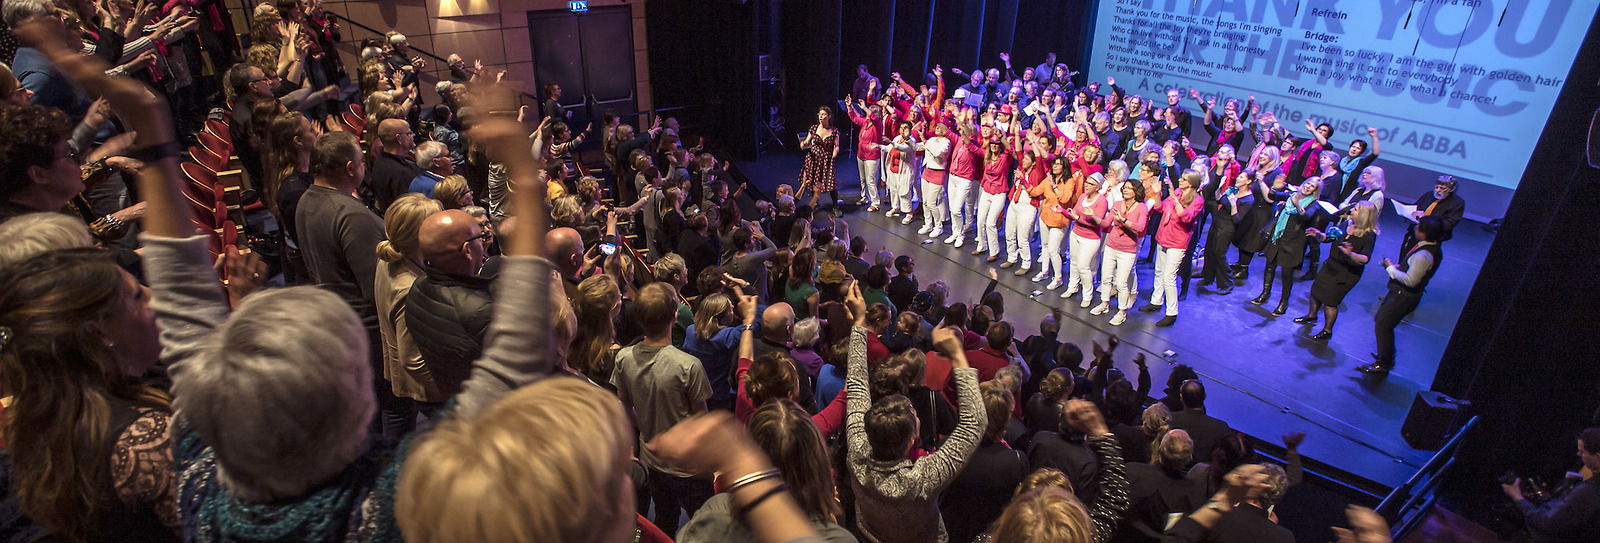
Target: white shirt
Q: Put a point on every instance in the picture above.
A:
(936, 152)
(1419, 264)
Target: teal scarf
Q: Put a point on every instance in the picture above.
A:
(1289, 209)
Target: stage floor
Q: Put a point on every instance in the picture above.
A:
(1264, 375)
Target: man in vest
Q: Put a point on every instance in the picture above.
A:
(1407, 281)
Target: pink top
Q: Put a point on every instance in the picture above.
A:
(1118, 236)
(1177, 225)
(829, 421)
(869, 136)
(1091, 212)
(995, 173)
(966, 160)
(1028, 179)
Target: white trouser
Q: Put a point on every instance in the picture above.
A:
(1020, 220)
(1115, 267)
(900, 188)
(1050, 252)
(1166, 287)
(1083, 253)
(959, 189)
(934, 207)
(990, 209)
(869, 179)
(972, 201)
(914, 186)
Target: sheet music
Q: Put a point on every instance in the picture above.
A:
(1328, 207)
(1405, 211)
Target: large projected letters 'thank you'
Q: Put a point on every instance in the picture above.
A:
(1457, 86)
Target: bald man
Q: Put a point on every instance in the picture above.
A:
(564, 248)
(392, 172)
(449, 308)
(777, 323)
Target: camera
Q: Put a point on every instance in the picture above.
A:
(609, 246)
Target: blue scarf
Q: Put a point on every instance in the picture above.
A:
(1289, 209)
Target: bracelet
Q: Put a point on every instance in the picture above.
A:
(112, 222)
(744, 511)
(752, 478)
(154, 153)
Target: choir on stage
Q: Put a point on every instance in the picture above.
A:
(1107, 179)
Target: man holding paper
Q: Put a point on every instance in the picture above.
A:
(1442, 203)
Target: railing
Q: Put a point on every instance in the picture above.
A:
(1409, 503)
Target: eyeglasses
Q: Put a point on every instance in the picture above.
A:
(485, 235)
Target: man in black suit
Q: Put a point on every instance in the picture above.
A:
(903, 287)
(1442, 203)
(1239, 512)
(1205, 429)
(1158, 490)
(391, 173)
(854, 264)
(1068, 450)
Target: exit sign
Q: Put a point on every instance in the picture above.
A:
(578, 6)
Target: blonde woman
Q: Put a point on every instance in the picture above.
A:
(399, 265)
(1175, 226)
(452, 192)
(1286, 241)
(1342, 270)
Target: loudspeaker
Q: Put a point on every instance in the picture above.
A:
(1432, 418)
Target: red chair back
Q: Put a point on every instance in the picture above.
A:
(215, 144)
(211, 161)
(219, 129)
(355, 123)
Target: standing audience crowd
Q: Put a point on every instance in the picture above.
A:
(457, 342)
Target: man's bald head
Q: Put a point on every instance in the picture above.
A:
(777, 321)
(443, 241)
(395, 135)
(564, 247)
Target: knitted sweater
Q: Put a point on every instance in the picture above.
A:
(357, 504)
(899, 500)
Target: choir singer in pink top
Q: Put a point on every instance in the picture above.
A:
(1178, 213)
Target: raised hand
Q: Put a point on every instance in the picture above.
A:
(1084, 417)
(856, 304)
(1366, 526)
(1194, 93)
(1372, 131)
(1245, 482)
(1292, 440)
(947, 340)
(747, 308)
(1111, 80)
(707, 443)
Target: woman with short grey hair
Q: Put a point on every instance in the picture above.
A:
(34, 233)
